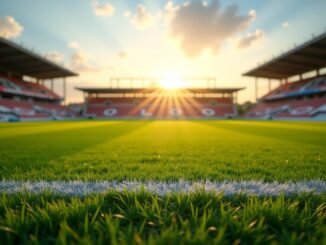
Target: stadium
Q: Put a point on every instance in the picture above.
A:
(162, 159)
(143, 97)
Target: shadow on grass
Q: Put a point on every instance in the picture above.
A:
(32, 151)
(295, 135)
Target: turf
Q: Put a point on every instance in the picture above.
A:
(142, 218)
(163, 150)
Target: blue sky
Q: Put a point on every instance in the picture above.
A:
(105, 38)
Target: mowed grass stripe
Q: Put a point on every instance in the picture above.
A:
(227, 188)
(304, 135)
(165, 151)
(306, 125)
(31, 128)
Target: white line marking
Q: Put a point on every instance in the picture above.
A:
(229, 188)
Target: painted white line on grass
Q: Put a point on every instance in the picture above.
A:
(229, 188)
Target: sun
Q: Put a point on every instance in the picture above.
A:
(171, 80)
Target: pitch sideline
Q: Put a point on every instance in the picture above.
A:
(228, 188)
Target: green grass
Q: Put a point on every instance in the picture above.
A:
(142, 218)
(163, 150)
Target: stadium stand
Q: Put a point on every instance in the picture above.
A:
(25, 100)
(302, 99)
(159, 103)
(11, 85)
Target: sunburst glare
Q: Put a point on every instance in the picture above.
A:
(172, 80)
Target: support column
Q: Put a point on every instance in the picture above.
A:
(85, 106)
(52, 85)
(318, 72)
(64, 90)
(235, 103)
(256, 88)
(269, 85)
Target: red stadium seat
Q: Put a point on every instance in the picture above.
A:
(42, 103)
(15, 86)
(302, 99)
(307, 108)
(34, 110)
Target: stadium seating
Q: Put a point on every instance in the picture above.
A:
(300, 88)
(20, 110)
(23, 110)
(16, 86)
(160, 107)
(308, 108)
(21, 100)
(304, 99)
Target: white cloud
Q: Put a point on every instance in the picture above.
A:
(103, 9)
(122, 55)
(142, 18)
(54, 56)
(169, 11)
(73, 45)
(250, 39)
(127, 14)
(253, 14)
(285, 24)
(9, 27)
(80, 61)
(199, 27)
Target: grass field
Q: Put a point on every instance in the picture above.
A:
(163, 151)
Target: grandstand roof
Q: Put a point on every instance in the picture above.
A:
(150, 90)
(19, 60)
(306, 57)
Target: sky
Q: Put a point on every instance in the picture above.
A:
(100, 39)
